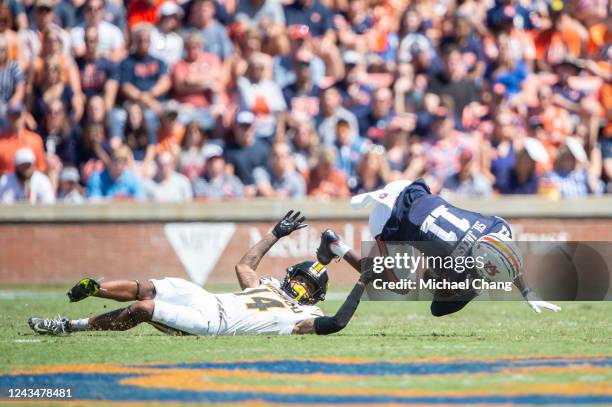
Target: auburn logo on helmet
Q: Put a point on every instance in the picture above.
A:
(490, 269)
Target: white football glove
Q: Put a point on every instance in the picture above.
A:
(537, 304)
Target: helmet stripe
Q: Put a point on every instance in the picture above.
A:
(508, 253)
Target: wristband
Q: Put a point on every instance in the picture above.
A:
(339, 248)
(526, 292)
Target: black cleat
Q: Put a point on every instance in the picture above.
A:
(83, 289)
(324, 253)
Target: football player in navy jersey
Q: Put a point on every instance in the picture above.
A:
(406, 211)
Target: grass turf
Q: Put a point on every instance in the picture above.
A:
(379, 331)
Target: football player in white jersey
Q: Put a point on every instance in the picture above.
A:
(175, 306)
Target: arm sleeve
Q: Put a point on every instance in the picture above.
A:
(330, 325)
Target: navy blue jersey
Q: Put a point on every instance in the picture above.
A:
(434, 226)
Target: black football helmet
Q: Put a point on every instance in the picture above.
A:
(315, 273)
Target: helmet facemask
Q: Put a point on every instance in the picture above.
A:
(306, 283)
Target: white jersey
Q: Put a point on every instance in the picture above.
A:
(264, 310)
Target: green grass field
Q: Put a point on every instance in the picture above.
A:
(380, 332)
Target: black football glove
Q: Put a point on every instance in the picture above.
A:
(290, 222)
(324, 253)
(83, 289)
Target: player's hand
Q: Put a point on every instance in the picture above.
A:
(324, 252)
(367, 272)
(290, 222)
(537, 304)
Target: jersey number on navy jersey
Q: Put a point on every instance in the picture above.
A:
(444, 225)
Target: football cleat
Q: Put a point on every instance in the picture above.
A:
(83, 289)
(47, 326)
(324, 253)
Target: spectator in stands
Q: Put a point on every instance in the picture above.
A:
(69, 189)
(56, 76)
(453, 80)
(302, 96)
(93, 150)
(311, 13)
(171, 132)
(570, 176)
(261, 96)
(500, 152)
(191, 158)
(377, 121)
(166, 43)
(12, 80)
(116, 181)
(197, 83)
(246, 152)
(214, 37)
(168, 185)
(507, 70)
(300, 45)
(137, 136)
(468, 181)
(144, 79)
(349, 148)
(414, 44)
(25, 184)
(304, 142)
(280, 179)
(331, 112)
(58, 135)
(43, 22)
(523, 177)
(18, 20)
(324, 179)
(216, 182)
(16, 136)
(397, 140)
(470, 45)
(99, 75)
(111, 44)
(560, 39)
(260, 12)
(354, 89)
(372, 171)
(445, 145)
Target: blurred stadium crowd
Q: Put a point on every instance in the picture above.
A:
(216, 99)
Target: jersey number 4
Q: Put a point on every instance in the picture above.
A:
(431, 224)
(264, 303)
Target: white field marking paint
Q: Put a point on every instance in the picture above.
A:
(27, 340)
(199, 245)
(28, 295)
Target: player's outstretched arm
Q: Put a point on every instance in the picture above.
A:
(245, 269)
(332, 247)
(328, 325)
(532, 299)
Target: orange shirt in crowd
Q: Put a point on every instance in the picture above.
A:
(599, 37)
(168, 139)
(9, 144)
(332, 186)
(567, 38)
(143, 11)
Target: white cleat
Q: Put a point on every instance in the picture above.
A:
(47, 326)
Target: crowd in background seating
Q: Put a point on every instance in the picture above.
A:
(221, 99)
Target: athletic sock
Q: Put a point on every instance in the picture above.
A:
(79, 324)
